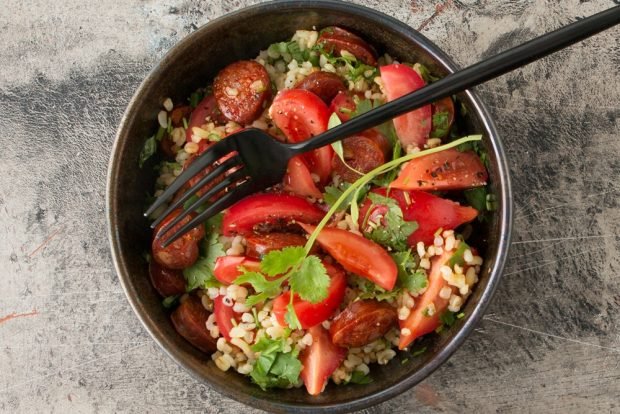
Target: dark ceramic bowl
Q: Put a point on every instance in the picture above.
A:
(191, 64)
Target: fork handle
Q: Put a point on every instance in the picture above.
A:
(469, 77)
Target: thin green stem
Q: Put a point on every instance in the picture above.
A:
(376, 172)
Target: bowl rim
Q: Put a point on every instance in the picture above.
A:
(505, 213)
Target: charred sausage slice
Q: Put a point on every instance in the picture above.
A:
(241, 90)
(325, 85)
(189, 319)
(181, 253)
(362, 322)
(167, 282)
(335, 40)
(258, 245)
(363, 153)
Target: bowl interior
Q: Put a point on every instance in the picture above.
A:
(193, 63)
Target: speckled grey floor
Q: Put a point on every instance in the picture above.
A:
(550, 341)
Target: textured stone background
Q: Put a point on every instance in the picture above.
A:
(68, 339)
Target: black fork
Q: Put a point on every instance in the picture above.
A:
(251, 160)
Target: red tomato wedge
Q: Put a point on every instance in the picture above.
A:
(343, 105)
(414, 127)
(450, 169)
(358, 255)
(311, 314)
(205, 108)
(300, 114)
(429, 211)
(226, 268)
(320, 360)
(224, 316)
(418, 323)
(298, 179)
(268, 209)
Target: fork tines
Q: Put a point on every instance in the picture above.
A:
(227, 164)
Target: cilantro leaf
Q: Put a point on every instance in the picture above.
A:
(338, 147)
(448, 318)
(169, 301)
(274, 368)
(264, 288)
(291, 317)
(358, 377)
(408, 277)
(457, 256)
(418, 352)
(200, 274)
(441, 125)
(286, 367)
(310, 281)
(332, 194)
(149, 148)
(477, 198)
(278, 262)
(195, 98)
(393, 231)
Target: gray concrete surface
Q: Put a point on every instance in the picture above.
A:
(69, 341)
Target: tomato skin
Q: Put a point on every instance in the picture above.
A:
(429, 211)
(300, 115)
(343, 105)
(298, 179)
(311, 314)
(412, 128)
(223, 316)
(320, 360)
(446, 170)
(226, 268)
(418, 323)
(358, 255)
(274, 209)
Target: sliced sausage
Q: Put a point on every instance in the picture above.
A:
(325, 85)
(178, 113)
(167, 147)
(258, 245)
(241, 90)
(189, 319)
(362, 322)
(335, 40)
(361, 152)
(167, 282)
(205, 111)
(183, 252)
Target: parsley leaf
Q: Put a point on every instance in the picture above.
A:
(393, 230)
(278, 262)
(310, 281)
(149, 148)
